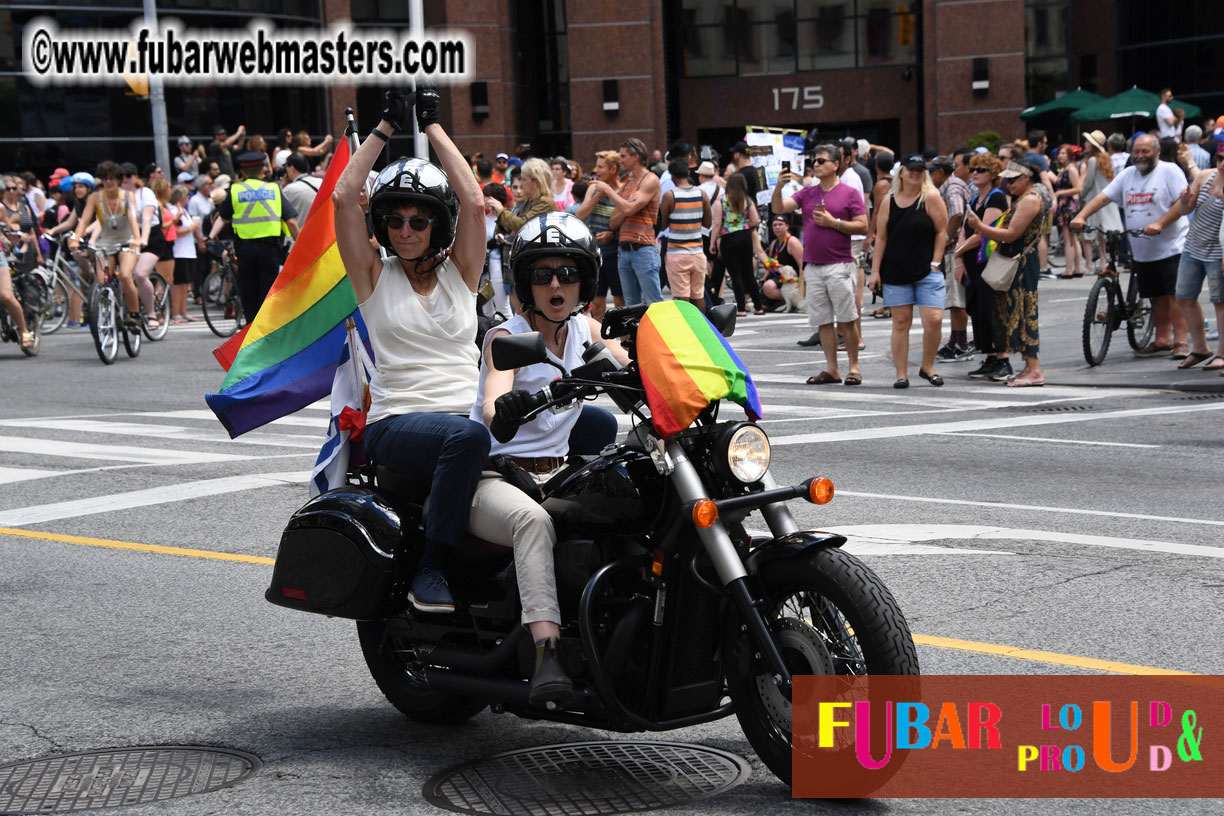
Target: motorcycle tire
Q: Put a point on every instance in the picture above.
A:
(405, 691)
(862, 631)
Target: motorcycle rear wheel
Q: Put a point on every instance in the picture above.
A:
(392, 671)
(829, 614)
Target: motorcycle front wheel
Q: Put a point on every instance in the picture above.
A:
(393, 665)
(829, 614)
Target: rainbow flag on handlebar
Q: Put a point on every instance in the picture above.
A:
(686, 364)
(287, 358)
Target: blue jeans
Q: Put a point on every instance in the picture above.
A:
(446, 450)
(639, 273)
(595, 429)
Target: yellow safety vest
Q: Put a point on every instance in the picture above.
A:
(257, 209)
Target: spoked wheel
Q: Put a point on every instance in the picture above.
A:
(222, 308)
(131, 334)
(1141, 325)
(394, 665)
(104, 323)
(829, 614)
(56, 313)
(161, 308)
(1099, 320)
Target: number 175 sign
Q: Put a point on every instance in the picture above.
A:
(790, 98)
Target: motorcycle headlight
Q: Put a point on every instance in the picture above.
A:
(747, 452)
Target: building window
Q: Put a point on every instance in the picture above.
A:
(1047, 49)
(754, 37)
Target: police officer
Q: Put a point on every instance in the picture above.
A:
(260, 215)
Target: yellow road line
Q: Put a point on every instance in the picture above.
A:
(1012, 652)
(1054, 658)
(128, 545)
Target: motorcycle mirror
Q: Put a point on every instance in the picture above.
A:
(723, 318)
(518, 350)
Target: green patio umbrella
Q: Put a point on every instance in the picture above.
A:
(1131, 104)
(1070, 102)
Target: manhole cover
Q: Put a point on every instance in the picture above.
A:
(589, 778)
(119, 777)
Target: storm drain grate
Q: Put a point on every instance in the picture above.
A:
(1059, 409)
(588, 778)
(1197, 397)
(119, 777)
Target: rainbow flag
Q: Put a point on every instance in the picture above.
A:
(987, 248)
(686, 364)
(287, 358)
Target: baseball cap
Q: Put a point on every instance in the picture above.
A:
(914, 161)
(941, 163)
(184, 140)
(222, 181)
(218, 129)
(502, 156)
(706, 169)
(57, 174)
(185, 178)
(1012, 171)
(149, 169)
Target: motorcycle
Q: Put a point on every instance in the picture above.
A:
(673, 614)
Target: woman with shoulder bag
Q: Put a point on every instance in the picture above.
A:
(911, 233)
(1017, 237)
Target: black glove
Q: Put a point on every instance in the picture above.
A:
(427, 102)
(397, 107)
(508, 412)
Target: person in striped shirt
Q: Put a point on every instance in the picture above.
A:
(685, 210)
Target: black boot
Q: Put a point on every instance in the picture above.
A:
(550, 683)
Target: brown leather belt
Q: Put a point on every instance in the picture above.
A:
(537, 464)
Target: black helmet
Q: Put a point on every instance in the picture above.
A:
(415, 181)
(550, 235)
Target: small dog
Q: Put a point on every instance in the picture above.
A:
(790, 290)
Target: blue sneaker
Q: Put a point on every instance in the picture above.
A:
(429, 593)
(72, 324)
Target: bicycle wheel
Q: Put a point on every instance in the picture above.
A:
(104, 323)
(161, 308)
(1140, 323)
(130, 332)
(222, 310)
(56, 313)
(1099, 320)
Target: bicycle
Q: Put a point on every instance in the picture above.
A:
(222, 303)
(63, 279)
(30, 289)
(1101, 319)
(108, 320)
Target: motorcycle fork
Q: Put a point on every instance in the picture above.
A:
(729, 565)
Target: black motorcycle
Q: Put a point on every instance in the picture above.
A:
(673, 614)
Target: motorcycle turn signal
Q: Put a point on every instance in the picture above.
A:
(820, 491)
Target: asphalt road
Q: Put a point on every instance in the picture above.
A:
(1078, 525)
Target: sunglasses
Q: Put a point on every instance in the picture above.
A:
(417, 223)
(979, 170)
(543, 275)
(822, 161)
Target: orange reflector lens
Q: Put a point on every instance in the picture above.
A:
(820, 491)
(657, 566)
(705, 513)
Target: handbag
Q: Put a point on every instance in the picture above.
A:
(1000, 271)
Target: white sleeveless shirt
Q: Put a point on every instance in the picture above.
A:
(547, 434)
(424, 364)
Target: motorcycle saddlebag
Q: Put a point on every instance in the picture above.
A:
(335, 556)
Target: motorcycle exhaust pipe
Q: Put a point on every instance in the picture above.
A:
(479, 661)
(501, 689)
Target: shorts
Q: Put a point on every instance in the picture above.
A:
(927, 293)
(830, 293)
(686, 274)
(1157, 278)
(158, 245)
(1190, 274)
(184, 270)
(954, 289)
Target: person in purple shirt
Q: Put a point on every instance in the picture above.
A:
(832, 212)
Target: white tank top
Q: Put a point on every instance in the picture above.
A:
(423, 365)
(547, 434)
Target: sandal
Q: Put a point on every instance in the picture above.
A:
(1192, 359)
(27, 339)
(880, 314)
(1017, 382)
(1216, 363)
(854, 378)
(151, 323)
(823, 378)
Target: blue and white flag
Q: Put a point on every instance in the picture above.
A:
(350, 399)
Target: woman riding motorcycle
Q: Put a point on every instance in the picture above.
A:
(419, 307)
(554, 262)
